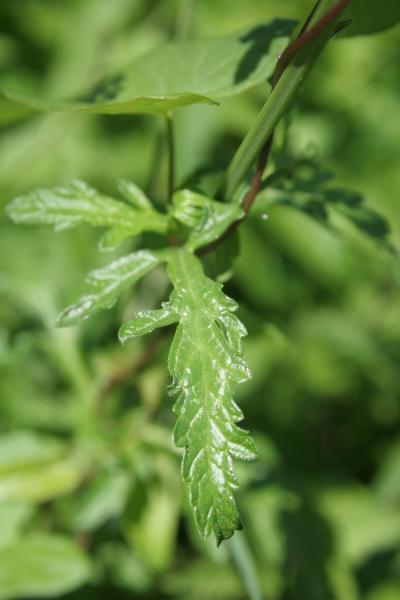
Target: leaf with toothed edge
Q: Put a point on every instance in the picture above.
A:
(108, 283)
(205, 362)
(77, 203)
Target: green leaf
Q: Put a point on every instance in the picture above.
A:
(108, 283)
(207, 219)
(151, 519)
(370, 16)
(205, 361)
(36, 468)
(13, 516)
(103, 499)
(303, 186)
(181, 73)
(12, 110)
(147, 321)
(276, 106)
(77, 203)
(42, 565)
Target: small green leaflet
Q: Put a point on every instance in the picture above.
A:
(205, 361)
(108, 283)
(207, 219)
(179, 73)
(77, 203)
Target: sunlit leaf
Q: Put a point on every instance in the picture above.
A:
(181, 73)
(205, 362)
(77, 203)
(105, 285)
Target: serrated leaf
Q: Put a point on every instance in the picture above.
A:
(181, 73)
(42, 565)
(77, 203)
(370, 16)
(108, 283)
(207, 219)
(147, 321)
(205, 361)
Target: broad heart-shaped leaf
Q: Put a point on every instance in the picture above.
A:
(205, 361)
(108, 283)
(371, 16)
(41, 566)
(207, 219)
(77, 203)
(181, 73)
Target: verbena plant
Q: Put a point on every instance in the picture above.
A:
(205, 359)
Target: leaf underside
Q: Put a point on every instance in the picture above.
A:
(205, 362)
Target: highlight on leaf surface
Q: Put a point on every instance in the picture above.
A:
(180, 73)
(108, 283)
(77, 203)
(205, 362)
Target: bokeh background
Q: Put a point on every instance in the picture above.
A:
(91, 504)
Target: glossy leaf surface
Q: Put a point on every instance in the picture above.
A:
(108, 283)
(77, 203)
(205, 362)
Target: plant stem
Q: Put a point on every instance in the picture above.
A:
(171, 155)
(241, 556)
(292, 68)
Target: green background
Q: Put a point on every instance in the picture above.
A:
(91, 504)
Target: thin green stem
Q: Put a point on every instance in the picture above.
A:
(293, 66)
(171, 155)
(245, 564)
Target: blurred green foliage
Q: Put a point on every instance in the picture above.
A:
(91, 504)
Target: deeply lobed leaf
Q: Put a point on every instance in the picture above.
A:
(77, 203)
(205, 361)
(108, 283)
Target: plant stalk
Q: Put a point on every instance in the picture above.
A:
(171, 155)
(292, 68)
